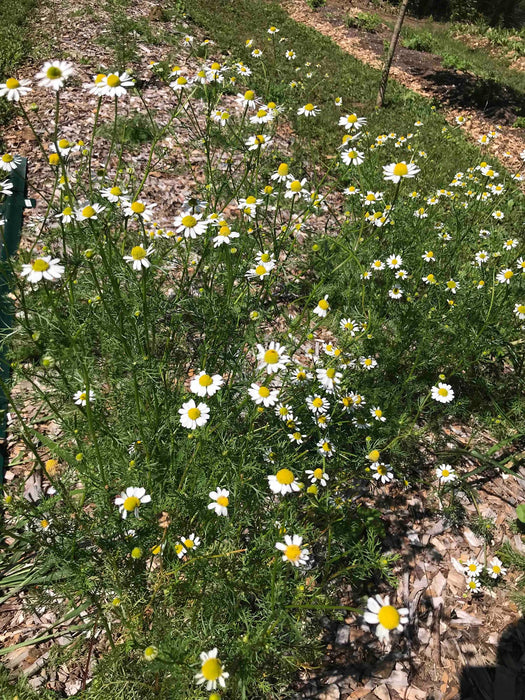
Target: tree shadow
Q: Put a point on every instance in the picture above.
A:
(505, 680)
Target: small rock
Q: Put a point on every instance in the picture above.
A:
(342, 635)
(331, 692)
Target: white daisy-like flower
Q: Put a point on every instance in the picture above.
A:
(292, 550)
(206, 384)
(445, 473)
(98, 86)
(377, 414)
(212, 672)
(325, 448)
(190, 225)
(139, 210)
(452, 286)
(510, 243)
(290, 55)
(225, 236)
(247, 99)
(386, 617)
(317, 475)
(261, 394)
(273, 358)
(309, 110)
(284, 412)
(505, 276)
(190, 542)
(352, 157)
(81, 397)
(297, 437)
(139, 257)
(46, 268)
(89, 211)
(397, 171)
(350, 326)
(323, 307)
(395, 293)
(116, 84)
(283, 482)
(113, 194)
(130, 501)
(6, 188)
(262, 116)
(328, 378)
(192, 415)
(495, 568)
(519, 310)
(260, 271)
(498, 215)
(473, 585)
(472, 568)
(368, 363)
(14, 89)
(54, 74)
(180, 83)
(481, 257)
(258, 141)
(383, 472)
(394, 261)
(295, 188)
(180, 549)
(442, 393)
(9, 162)
(219, 501)
(352, 122)
(317, 404)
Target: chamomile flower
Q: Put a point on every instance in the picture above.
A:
(296, 437)
(295, 188)
(395, 293)
(352, 157)
(383, 473)
(292, 550)
(283, 482)
(46, 268)
(510, 243)
(260, 271)
(317, 476)
(194, 415)
(139, 210)
(258, 141)
(130, 501)
(498, 215)
(139, 257)
(116, 84)
(212, 672)
(81, 397)
(224, 236)
(452, 286)
(519, 310)
(284, 412)
(282, 174)
(205, 384)
(328, 378)
(473, 585)
(481, 257)
(323, 307)
(386, 617)
(98, 86)
(261, 394)
(190, 225)
(290, 55)
(495, 568)
(14, 89)
(89, 211)
(54, 74)
(505, 276)
(443, 393)
(273, 358)
(190, 542)
(317, 404)
(180, 83)
(368, 363)
(377, 414)
(472, 568)
(352, 122)
(325, 448)
(397, 171)
(9, 162)
(445, 473)
(219, 501)
(309, 110)
(394, 261)
(350, 326)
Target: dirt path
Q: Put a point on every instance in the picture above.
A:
(421, 73)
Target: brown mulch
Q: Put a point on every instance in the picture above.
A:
(454, 91)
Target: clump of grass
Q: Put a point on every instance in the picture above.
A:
(364, 21)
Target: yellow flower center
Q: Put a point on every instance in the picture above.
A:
(325, 446)
(295, 186)
(283, 170)
(262, 113)
(323, 304)
(224, 231)
(431, 277)
(189, 221)
(182, 80)
(352, 154)
(137, 207)
(260, 270)
(309, 107)
(131, 503)
(443, 392)
(223, 501)
(188, 544)
(382, 470)
(445, 472)
(508, 274)
(178, 548)
(211, 669)
(318, 473)
(51, 466)
(330, 373)
(88, 212)
(351, 119)
(249, 95)
(250, 200)
(521, 309)
(63, 143)
(53, 72)
(496, 569)
(472, 584)
(317, 402)
(264, 391)
(283, 411)
(40, 265)
(301, 376)
(12, 83)
(44, 523)
(138, 252)
(215, 66)
(388, 617)
(374, 455)
(284, 476)
(297, 435)
(271, 357)
(194, 413)
(451, 284)
(113, 80)
(472, 567)
(378, 412)
(99, 78)
(293, 552)
(7, 158)
(400, 169)
(271, 105)
(116, 191)
(205, 380)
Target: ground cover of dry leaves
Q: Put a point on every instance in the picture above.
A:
(450, 630)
